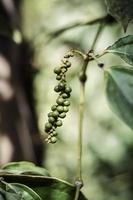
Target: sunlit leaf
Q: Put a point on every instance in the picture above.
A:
(119, 90)
(24, 167)
(123, 48)
(121, 10)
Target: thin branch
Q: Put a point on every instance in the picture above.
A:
(77, 193)
(82, 79)
(56, 33)
(99, 31)
(82, 23)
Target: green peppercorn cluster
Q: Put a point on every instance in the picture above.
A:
(59, 110)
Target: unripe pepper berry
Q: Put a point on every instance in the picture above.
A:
(68, 90)
(66, 109)
(58, 77)
(66, 103)
(54, 107)
(51, 120)
(53, 140)
(54, 133)
(60, 101)
(50, 114)
(68, 64)
(59, 123)
(64, 95)
(60, 109)
(61, 86)
(55, 114)
(67, 56)
(62, 115)
(56, 88)
(48, 126)
(64, 70)
(57, 70)
(65, 60)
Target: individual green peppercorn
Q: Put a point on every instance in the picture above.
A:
(55, 114)
(56, 88)
(64, 70)
(57, 70)
(55, 126)
(51, 130)
(54, 133)
(68, 95)
(62, 66)
(64, 61)
(59, 123)
(61, 85)
(62, 115)
(51, 120)
(58, 77)
(66, 103)
(49, 137)
(48, 126)
(64, 95)
(60, 101)
(68, 64)
(60, 109)
(53, 140)
(54, 107)
(63, 78)
(66, 109)
(71, 54)
(50, 114)
(67, 56)
(68, 90)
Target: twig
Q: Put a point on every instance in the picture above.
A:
(99, 31)
(82, 23)
(83, 78)
(56, 33)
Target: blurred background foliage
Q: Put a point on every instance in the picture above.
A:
(108, 143)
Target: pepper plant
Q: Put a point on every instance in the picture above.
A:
(24, 180)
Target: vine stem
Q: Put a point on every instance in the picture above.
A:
(98, 33)
(82, 79)
(81, 115)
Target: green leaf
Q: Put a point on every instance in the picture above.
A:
(121, 10)
(9, 195)
(119, 90)
(17, 191)
(1, 196)
(24, 167)
(46, 187)
(26, 192)
(123, 48)
(7, 192)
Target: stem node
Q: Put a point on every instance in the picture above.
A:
(79, 184)
(82, 77)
